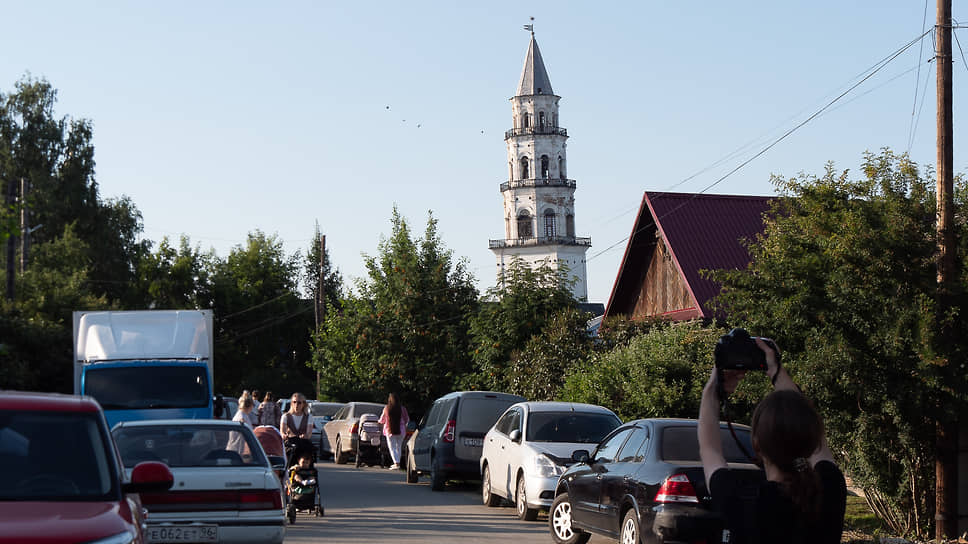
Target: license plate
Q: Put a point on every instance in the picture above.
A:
(158, 534)
(474, 442)
(375, 441)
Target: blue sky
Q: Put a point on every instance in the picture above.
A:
(219, 118)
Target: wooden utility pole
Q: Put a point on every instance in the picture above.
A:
(321, 296)
(11, 241)
(946, 431)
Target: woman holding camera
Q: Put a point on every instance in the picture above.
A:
(804, 495)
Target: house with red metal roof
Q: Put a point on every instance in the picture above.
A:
(675, 236)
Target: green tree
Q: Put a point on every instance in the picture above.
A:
(262, 326)
(408, 325)
(660, 373)
(514, 311)
(176, 278)
(539, 371)
(844, 278)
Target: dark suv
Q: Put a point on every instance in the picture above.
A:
(449, 440)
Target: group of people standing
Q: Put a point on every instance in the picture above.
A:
(256, 413)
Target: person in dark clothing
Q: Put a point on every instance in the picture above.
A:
(803, 498)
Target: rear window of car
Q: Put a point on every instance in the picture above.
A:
(324, 409)
(682, 444)
(189, 445)
(573, 427)
(367, 408)
(478, 414)
(55, 456)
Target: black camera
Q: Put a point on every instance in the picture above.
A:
(738, 351)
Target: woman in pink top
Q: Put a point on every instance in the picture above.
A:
(394, 419)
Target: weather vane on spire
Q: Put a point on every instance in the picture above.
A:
(530, 27)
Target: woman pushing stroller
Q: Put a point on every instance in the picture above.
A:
(297, 428)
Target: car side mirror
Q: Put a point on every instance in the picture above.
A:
(411, 426)
(219, 406)
(515, 436)
(580, 456)
(149, 477)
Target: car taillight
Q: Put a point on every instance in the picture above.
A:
(193, 501)
(677, 488)
(355, 429)
(260, 500)
(449, 431)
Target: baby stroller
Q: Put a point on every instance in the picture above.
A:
(295, 447)
(371, 448)
(271, 440)
(302, 492)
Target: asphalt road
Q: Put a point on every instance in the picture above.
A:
(377, 505)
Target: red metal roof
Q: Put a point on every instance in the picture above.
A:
(702, 232)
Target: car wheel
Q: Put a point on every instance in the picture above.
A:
(490, 499)
(436, 476)
(521, 501)
(339, 456)
(559, 521)
(630, 528)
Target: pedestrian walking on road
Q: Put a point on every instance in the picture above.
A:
(269, 411)
(252, 417)
(394, 419)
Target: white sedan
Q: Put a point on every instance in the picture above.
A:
(224, 490)
(530, 446)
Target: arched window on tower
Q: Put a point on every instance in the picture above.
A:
(525, 173)
(541, 120)
(570, 226)
(549, 223)
(561, 168)
(525, 229)
(545, 167)
(526, 120)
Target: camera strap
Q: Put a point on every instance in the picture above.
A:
(724, 405)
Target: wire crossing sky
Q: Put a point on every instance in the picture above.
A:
(219, 118)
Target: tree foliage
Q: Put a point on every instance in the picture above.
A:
(514, 311)
(539, 371)
(408, 325)
(844, 278)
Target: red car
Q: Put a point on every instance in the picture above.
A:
(61, 478)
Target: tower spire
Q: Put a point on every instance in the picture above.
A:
(534, 76)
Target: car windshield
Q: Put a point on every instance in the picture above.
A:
(320, 409)
(129, 388)
(572, 427)
(361, 408)
(193, 445)
(479, 414)
(55, 456)
(682, 444)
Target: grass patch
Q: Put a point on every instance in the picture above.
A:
(859, 517)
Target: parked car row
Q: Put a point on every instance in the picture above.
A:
(641, 481)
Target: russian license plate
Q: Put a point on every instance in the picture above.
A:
(375, 441)
(158, 534)
(474, 442)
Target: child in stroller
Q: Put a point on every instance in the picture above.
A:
(371, 448)
(302, 489)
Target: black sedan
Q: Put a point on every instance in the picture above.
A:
(644, 483)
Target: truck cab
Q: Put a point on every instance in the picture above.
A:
(152, 364)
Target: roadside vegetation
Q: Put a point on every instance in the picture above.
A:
(842, 278)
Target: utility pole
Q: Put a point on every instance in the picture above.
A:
(321, 296)
(946, 430)
(24, 227)
(11, 241)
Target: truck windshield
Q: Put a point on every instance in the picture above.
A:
(33, 463)
(137, 388)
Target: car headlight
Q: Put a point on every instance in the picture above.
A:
(544, 467)
(121, 538)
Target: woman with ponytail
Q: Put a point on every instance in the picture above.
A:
(803, 496)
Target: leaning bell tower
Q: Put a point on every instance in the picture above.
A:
(539, 199)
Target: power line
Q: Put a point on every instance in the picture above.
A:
(877, 67)
(917, 78)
